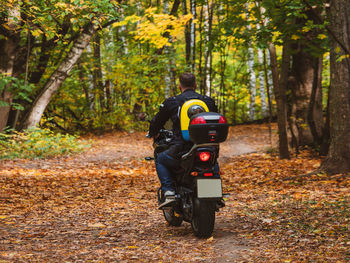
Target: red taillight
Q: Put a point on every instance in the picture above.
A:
(198, 120)
(204, 156)
(208, 174)
(222, 119)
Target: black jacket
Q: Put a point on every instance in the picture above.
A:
(169, 109)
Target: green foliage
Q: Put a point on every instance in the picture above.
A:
(135, 54)
(38, 143)
(17, 87)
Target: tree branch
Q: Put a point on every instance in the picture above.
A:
(172, 13)
(109, 23)
(321, 21)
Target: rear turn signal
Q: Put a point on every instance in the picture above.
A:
(204, 156)
(198, 120)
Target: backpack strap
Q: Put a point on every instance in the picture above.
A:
(181, 100)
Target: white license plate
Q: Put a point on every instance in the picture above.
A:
(209, 188)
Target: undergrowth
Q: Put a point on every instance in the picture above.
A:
(38, 143)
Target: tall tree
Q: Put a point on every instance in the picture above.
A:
(187, 34)
(338, 159)
(251, 71)
(208, 10)
(97, 75)
(306, 84)
(167, 51)
(279, 86)
(193, 34)
(10, 27)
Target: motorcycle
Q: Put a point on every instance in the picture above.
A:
(198, 186)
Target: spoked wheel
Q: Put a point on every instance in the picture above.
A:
(172, 217)
(203, 218)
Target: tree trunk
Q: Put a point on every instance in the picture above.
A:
(193, 35)
(251, 72)
(6, 97)
(167, 78)
(267, 84)
(279, 85)
(305, 78)
(8, 46)
(315, 110)
(97, 73)
(200, 66)
(123, 31)
(208, 20)
(252, 82)
(60, 74)
(187, 34)
(326, 137)
(262, 89)
(338, 159)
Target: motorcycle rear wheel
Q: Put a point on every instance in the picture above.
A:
(203, 218)
(171, 218)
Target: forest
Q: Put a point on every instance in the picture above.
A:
(75, 72)
(81, 66)
(85, 66)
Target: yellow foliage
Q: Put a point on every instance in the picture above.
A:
(36, 32)
(275, 36)
(306, 29)
(128, 19)
(152, 27)
(295, 37)
(321, 36)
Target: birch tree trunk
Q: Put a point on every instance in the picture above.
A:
(338, 159)
(59, 75)
(262, 89)
(251, 71)
(8, 46)
(123, 31)
(252, 82)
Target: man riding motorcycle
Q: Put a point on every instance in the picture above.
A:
(170, 159)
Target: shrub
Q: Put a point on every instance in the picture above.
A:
(38, 143)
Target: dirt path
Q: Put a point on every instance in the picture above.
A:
(101, 206)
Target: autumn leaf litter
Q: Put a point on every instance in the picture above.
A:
(101, 206)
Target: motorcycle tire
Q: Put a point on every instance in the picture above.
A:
(171, 218)
(203, 218)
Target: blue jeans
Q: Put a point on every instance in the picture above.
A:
(165, 164)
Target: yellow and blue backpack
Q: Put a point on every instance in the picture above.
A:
(187, 110)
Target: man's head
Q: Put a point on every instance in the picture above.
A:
(187, 81)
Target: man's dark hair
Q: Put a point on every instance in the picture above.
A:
(187, 80)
